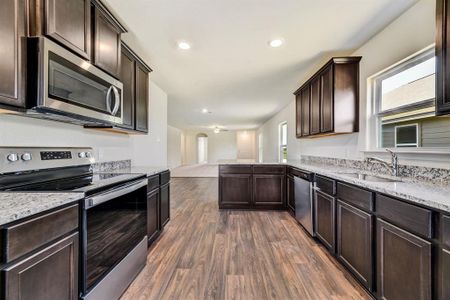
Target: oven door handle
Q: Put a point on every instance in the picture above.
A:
(123, 190)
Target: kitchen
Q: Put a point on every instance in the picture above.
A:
(139, 159)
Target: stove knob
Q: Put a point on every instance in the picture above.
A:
(88, 154)
(12, 157)
(26, 157)
(82, 154)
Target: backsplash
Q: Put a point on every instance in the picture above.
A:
(414, 173)
(112, 165)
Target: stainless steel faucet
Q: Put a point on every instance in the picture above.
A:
(393, 165)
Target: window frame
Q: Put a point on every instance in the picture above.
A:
(281, 146)
(376, 114)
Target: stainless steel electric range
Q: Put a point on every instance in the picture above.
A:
(113, 212)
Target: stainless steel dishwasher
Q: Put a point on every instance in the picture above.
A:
(303, 193)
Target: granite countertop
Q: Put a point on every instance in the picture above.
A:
(433, 196)
(18, 205)
(149, 170)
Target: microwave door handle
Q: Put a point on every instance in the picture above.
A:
(108, 99)
(116, 102)
(96, 200)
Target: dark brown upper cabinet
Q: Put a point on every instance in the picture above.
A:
(333, 103)
(106, 39)
(134, 74)
(127, 77)
(315, 106)
(304, 117)
(141, 97)
(66, 22)
(442, 61)
(326, 100)
(298, 113)
(12, 48)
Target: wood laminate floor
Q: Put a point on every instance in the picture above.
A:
(205, 253)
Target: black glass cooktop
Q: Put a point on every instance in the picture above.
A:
(75, 179)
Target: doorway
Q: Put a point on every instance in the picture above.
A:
(202, 148)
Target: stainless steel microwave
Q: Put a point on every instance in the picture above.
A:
(63, 86)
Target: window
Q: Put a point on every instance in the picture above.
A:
(407, 135)
(283, 142)
(404, 104)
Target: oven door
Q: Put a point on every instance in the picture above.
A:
(114, 223)
(73, 86)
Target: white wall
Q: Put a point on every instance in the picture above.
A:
(246, 144)
(151, 149)
(24, 131)
(411, 32)
(174, 147)
(220, 146)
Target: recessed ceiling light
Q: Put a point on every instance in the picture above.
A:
(184, 45)
(205, 110)
(216, 130)
(276, 43)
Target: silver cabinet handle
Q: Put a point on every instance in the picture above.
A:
(108, 99)
(116, 100)
(96, 200)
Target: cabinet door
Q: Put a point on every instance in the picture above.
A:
(315, 106)
(107, 44)
(141, 98)
(444, 280)
(12, 49)
(442, 58)
(49, 274)
(291, 194)
(165, 205)
(325, 220)
(268, 190)
(235, 190)
(298, 115)
(69, 23)
(127, 73)
(326, 105)
(404, 264)
(153, 204)
(305, 94)
(354, 241)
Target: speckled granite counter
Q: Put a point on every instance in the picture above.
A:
(18, 205)
(141, 170)
(434, 196)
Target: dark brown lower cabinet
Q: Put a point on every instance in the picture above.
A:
(164, 192)
(268, 190)
(49, 274)
(325, 219)
(153, 203)
(444, 274)
(403, 264)
(290, 194)
(354, 241)
(235, 190)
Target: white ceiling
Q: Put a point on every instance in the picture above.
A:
(230, 68)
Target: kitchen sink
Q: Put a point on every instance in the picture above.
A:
(371, 178)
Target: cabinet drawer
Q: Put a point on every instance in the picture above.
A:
(153, 183)
(29, 235)
(165, 177)
(410, 217)
(326, 185)
(269, 169)
(445, 230)
(236, 169)
(358, 197)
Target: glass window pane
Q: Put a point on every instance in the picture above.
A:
(410, 86)
(406, 135)
(284, 134)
